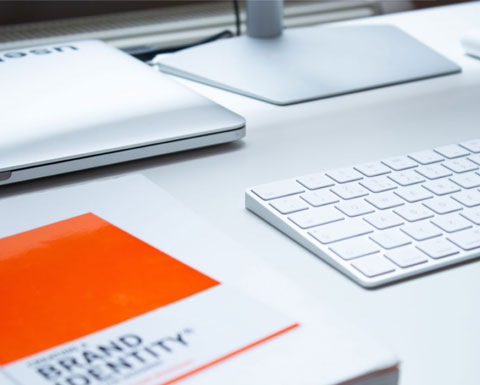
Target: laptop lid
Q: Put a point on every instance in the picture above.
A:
(84, 98)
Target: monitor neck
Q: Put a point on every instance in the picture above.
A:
(264, 18)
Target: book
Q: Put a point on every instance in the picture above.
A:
(115, 282)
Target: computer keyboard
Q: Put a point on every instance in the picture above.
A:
(383, 221)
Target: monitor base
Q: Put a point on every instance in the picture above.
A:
(309, 63)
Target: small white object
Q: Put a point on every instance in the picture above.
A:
(472, 145)
(399, 163)
(406, 256)
(315, 181)
(384, 220)
(385, 200)
(372, 169)
(378, 184)
(468, 181)
(319, 198)
(354, 248)
(315, 217)
(421, 230)
(438, 248)
(451, 222)
(434, 171)
(413, 194)
(278, 189)
(414, 212)
(441, 187)
(354, 208)
(344, 175)
(467, 239)
(289, 204)
(472, 215)
(349, 191)
(460, 165)
(469, 198)
(406, 178)
(426, 157)
(452, 151)
(390, 239)
(475, 158)
(373, 265)
(340, 230)
(442, 205)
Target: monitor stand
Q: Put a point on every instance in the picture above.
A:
(309, 63)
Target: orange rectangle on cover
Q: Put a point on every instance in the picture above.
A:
(71, 278)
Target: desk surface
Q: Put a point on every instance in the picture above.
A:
(431, 321)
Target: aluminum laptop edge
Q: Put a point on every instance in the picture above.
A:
(84, 104)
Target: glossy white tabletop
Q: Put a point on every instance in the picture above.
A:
(431, 322)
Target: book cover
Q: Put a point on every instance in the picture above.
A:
(85, 302)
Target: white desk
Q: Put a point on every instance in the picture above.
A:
(432, 322)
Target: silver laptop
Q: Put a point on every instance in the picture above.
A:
(78, 105)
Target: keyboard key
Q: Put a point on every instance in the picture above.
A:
(441, 187)
(354, 248)
(315, 181)
(373, 169)
(451, 151)
(385, 200)
(475, 158)
(421, 230)
(467, 239)
(373, 265)
(320, 198)
(390, 239)
(472, 215)
(406, 178)
(349, 191)
(469, 198)
(413, 213)
(469, 180)
(442, 205)
(337, 231)
(378, 184)
(460, 165)
(406, 256)
(278, 189)
(471, 145)
(426, 157)
(413, 194)
(289, 205)
(399, 163)
(451, 223)
(315, 217)
(344, 175)
(438, 248)
(383, 220)
(433, 171)
(354, 208)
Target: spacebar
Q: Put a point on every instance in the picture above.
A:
(338, 231)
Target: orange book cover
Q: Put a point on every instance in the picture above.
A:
(84, 302)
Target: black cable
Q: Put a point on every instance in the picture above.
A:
(148, 53)
(238, 23)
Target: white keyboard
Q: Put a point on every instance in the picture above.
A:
(383, 221)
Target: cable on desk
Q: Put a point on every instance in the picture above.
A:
(148, 53)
